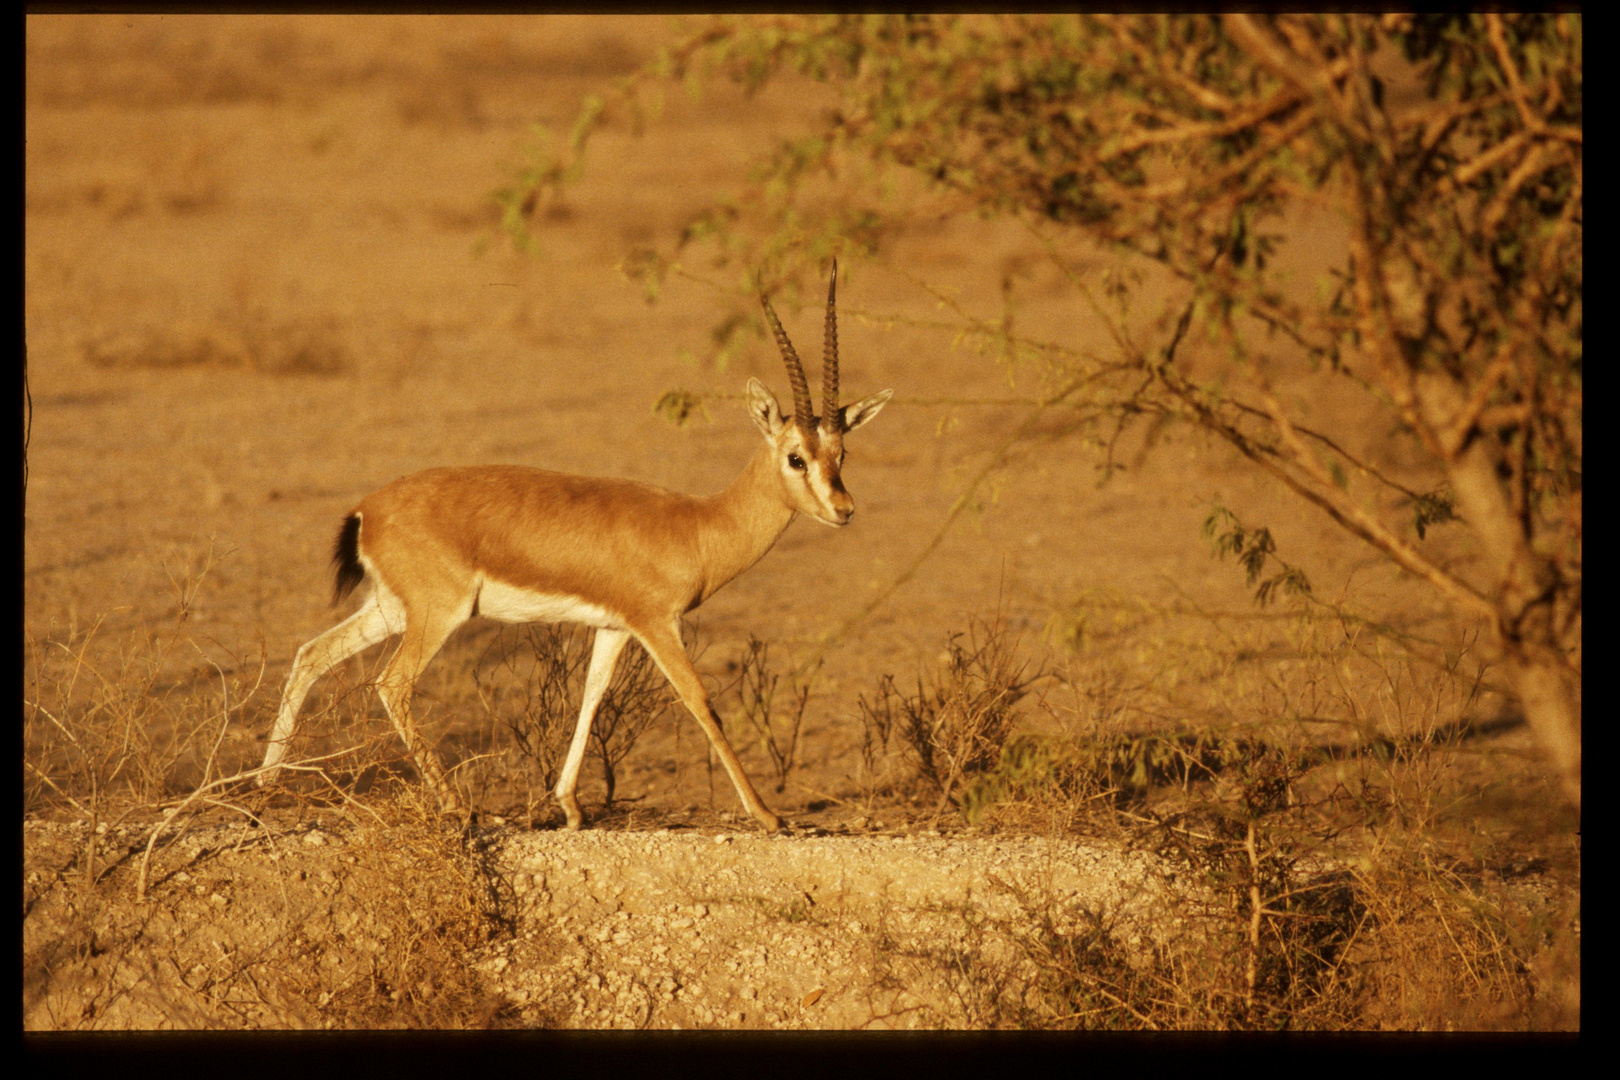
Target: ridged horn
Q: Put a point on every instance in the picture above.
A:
(829, 358)
(803, 408)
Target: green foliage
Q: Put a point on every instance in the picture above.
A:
(1433, 508)
(679, 406)
(1254, 549)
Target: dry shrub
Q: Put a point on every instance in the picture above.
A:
(1060, 965)
(1051, 966)
(146, 752)
(1260, 939)
(1448, 952)
(754, 690)
(529, 682)
(1323, 777)
(1062, 776)
(1468, 926)
(953, 728)
(422, 901)
(250, 340)
(1342, 877)
(112, 727)
(378, 932)
(1085, 976)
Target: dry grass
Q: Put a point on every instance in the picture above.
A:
(1343, 882)
(753, 694)
(954, 727)
(1346, 883)
(528, 683)
(109, 728)
(243, 341)
(148, 758)
(373, 928)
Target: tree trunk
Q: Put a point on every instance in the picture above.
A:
(1523, 584)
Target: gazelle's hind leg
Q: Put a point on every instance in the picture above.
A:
(664, 645)
(421, 641)
(604, 655)
(364, 628)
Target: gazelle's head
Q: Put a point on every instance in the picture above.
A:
(808, 451)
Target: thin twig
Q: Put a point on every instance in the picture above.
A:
(997, 458)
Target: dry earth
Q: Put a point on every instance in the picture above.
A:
(263, 279)
(666, 928)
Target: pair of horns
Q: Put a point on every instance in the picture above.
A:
(803, 407)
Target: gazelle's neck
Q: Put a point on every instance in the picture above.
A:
(748, 518)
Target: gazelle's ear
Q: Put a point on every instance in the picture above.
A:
(859, 413)
(767, 415)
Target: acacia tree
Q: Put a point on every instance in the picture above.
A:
(1448, 148)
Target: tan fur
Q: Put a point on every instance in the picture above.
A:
(636, 550)
(627, 557)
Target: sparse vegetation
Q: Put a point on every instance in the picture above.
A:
(1319, 860)
(1332, 885)
(149, 767)
(373, 931)
(777, 727)
(246, 336)
(1447, 305)
(955, 725)
(1308, 795)
(538, 701)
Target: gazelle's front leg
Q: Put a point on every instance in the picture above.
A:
(604, 655)
(666, 650)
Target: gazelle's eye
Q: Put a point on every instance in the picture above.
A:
(797, 462)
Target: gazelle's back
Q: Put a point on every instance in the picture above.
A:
(531, 528)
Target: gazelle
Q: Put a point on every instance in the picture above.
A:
(520, 545)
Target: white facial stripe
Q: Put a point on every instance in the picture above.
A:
(820, 475)
(822, 484)
(829, 493)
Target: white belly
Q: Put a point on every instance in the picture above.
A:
(510, 604)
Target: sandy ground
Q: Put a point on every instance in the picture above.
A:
(609, 929)
(263, 279)
(203, 187)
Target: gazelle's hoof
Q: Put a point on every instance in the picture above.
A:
(451, 806)
(576, 819)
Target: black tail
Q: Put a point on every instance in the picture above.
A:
(346, 558)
